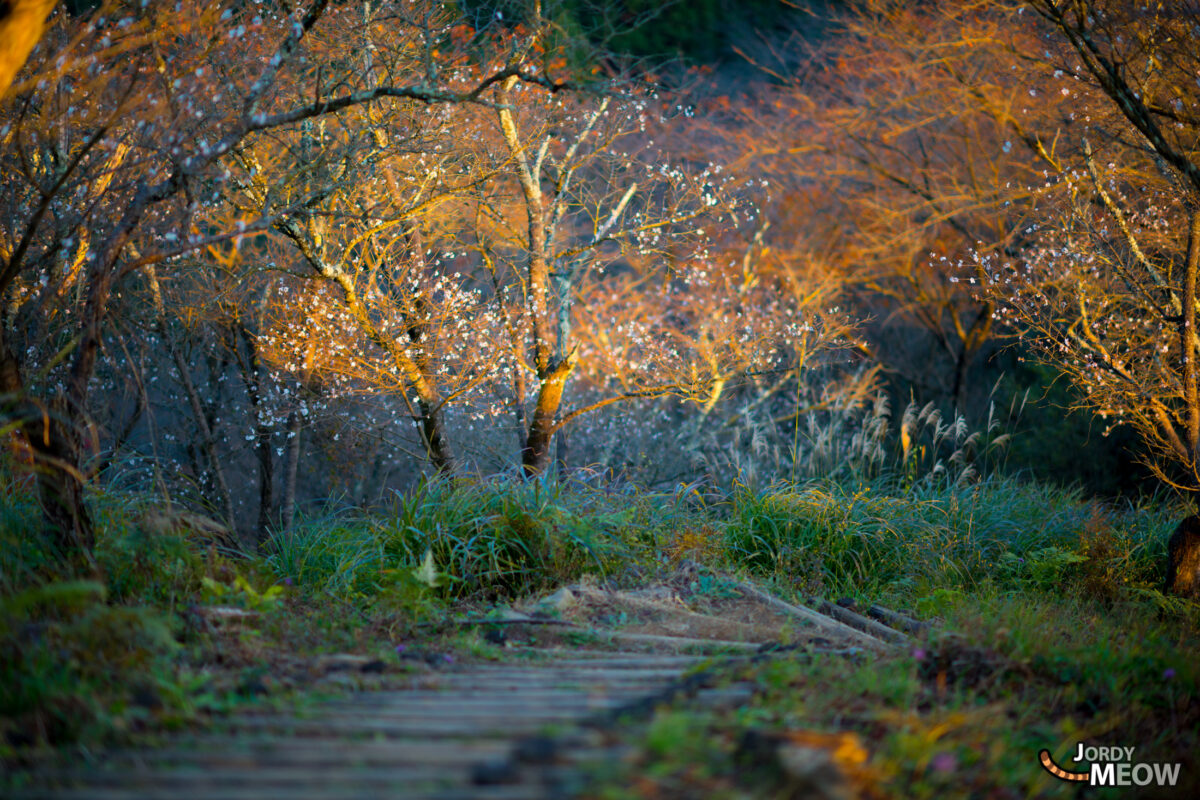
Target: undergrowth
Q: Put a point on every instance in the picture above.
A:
(486, 540)
(962, 712)
(82, 660)
(867, 541)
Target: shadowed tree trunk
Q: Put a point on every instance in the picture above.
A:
(252, 376)
(203, 423)
(60, 482)
(1183, 560)
(972, 339)
(51, 440)
(290, 470)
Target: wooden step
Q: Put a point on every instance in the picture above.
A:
(432, 741)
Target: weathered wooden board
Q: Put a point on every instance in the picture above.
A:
(433, 741)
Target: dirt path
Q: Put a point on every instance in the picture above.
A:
(531, 726)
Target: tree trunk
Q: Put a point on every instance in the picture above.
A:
(536, 455)
(21, 25)
(1183, 548)
(519, 406)
(972, 340)
(1183, 560)
(290, 470)
(429, 402)
(60, 483)
(266, 481)
(1187, 348)
(433, 435)
(552, 373)
(962, 364)
(252, 373)
(563, 446)
(207, 438)
(51, 441)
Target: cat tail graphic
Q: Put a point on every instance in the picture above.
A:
(1059, 772)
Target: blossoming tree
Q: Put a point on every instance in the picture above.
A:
(115, 142)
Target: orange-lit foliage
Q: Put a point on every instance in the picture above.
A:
(21, 25)
(904, 139)
(1042, 157)
(1105, 281)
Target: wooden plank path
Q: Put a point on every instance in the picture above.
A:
(516, 730)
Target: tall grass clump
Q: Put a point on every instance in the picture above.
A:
(926, 508)
(925, 449)
(482, 539)
(824, 536)
(25, 559)
(342, 554)
(506, 538)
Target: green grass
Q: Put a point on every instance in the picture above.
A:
(487, 541)
(869, 542)
(961, 713)
(1048, 624)
(86, 662)
(83, 663)
(1048, 629)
